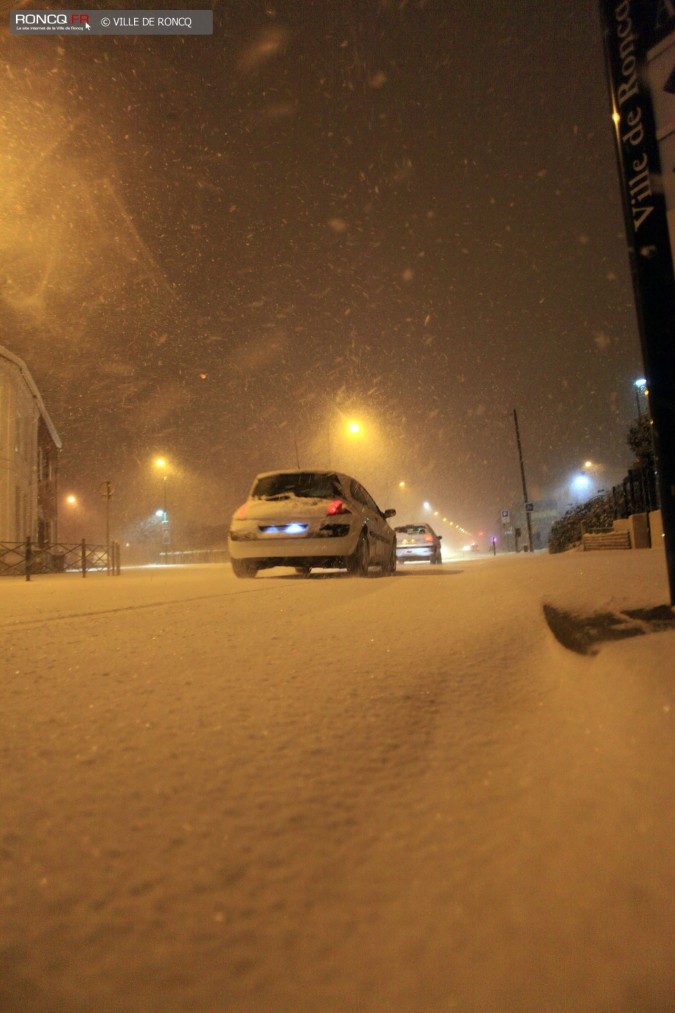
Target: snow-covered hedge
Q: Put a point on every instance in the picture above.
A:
(595, 515)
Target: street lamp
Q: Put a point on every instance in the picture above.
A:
(581, 486)
(640, 386)
(161, 465)
(347, 430)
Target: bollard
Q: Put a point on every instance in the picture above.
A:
(29, 556)
(84, 558)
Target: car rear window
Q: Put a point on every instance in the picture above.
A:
(307, 484)
(412, 529)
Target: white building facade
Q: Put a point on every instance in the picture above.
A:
(29, 447)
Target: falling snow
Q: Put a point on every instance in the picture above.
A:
(215, 248)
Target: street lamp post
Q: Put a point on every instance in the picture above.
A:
(640, 385)
(106, 493)
(161, 464)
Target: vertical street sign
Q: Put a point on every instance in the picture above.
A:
(639, 38)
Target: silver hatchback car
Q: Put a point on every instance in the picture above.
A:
(418, 542)
(306, 519)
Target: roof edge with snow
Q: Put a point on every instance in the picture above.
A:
(32, 386)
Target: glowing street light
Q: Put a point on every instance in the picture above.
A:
(346, 429)
(581, 485)
(162, 465)
(640, 386)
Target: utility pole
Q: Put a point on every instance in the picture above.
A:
(106, 493)
(522, 475)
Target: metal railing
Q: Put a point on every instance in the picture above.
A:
(24, 559)
(637, 494)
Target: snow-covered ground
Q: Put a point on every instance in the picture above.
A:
(332, 794)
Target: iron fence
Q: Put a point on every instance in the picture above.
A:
(637, 494)
(24, 559)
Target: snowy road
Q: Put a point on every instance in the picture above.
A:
(394, 794)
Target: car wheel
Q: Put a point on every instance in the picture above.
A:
(389, 568)
(244, 567)
(357, 564)
(436, 559)
(303, 571)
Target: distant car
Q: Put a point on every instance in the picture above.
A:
(418, 542)
(307, 519)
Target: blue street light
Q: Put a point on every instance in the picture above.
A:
(640, 389)
(581, 485)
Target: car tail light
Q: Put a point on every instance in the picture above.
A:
(428, 538)
(242, 512)
(337, 507)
